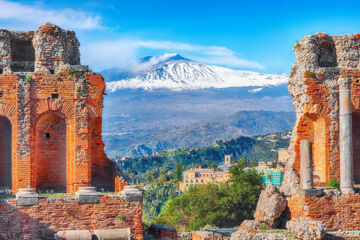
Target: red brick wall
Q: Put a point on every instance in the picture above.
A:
(65, 213)
(5, 150)
(336, 212)
(355, 97)
(80, 103)
(8, 106)
(314, 126)
(50, 152)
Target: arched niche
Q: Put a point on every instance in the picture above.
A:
(5, 153)
(327, 54)
(356, 146)
(315, 130)
(50, 152)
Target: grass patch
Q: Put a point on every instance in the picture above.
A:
(333, 183)
(311, 74)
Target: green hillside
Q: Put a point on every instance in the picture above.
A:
(147, 169)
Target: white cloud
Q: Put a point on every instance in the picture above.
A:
(35, 16)
(123, 54)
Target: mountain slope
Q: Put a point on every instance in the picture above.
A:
(169, 101)
(200, 134)
(177, 73)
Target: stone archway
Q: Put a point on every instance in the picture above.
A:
(319, 149)
(314, 128)
(5, 152)
(50, 152)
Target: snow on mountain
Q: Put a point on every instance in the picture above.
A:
(177, 73)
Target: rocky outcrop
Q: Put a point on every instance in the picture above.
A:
(270, 206)
(250, 225)
(202, 235)
(306, 229)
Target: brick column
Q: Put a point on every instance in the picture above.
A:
(23, 163)
(82, 148)
(346, 150)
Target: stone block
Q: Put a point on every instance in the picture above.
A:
(306, 229)
(245, 235)
(202, 235)
(80, 68)
(87, 195)
(158, 231)
(73, 235)
(131, 193)
(112, 234)
(270, 206)
(311, 192)
(27, 197)
(250, 225)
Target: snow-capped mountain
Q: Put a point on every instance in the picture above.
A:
(177, 73)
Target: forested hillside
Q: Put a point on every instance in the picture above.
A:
(158, 174)
(147, 169)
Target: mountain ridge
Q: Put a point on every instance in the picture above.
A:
(177, 73)
(199, 134)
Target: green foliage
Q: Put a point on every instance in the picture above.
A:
(221, 205)
(178, 172)
(28, 78)
(72, 70)
(334, 183)
(122, 218)
(146, 168)
(263, 227)
(311, 74)
(160, 173)
(155, 197)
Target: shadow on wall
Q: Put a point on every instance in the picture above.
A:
(15, 224)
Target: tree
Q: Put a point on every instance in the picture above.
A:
(222, 205)
(178, 172)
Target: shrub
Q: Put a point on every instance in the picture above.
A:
(333, 183)
(72, 70)
(311, 74)
(28, 78)
(221, 205)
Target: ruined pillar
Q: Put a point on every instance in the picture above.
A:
(346, 151)
(306, 165)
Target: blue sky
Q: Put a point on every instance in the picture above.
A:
(250, 35)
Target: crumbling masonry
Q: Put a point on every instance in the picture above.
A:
(50, 114)
(325, 144)
(50, 141)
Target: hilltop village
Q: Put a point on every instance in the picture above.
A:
(59, 184)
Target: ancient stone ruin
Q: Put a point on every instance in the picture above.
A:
(50, 114)
(325, 144)
(50, 142)
(324, 148)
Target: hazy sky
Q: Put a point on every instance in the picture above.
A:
(252, 35)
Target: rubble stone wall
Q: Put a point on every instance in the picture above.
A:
(51, 215)
(337, 212)
(55, 88)
(320, 61)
